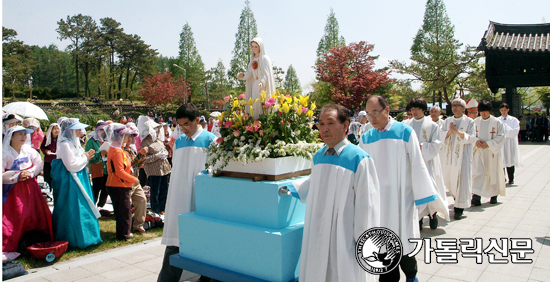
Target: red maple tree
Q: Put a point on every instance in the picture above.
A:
(162, 89)
(351, 72)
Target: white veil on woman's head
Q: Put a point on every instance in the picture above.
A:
(115, 134)
(69, 128)
(147, 126)
(355, 128)
(49, 133)
(6, 143)
(260, 43)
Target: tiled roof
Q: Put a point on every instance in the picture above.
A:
(516, 37)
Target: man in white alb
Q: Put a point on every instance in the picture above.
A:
(511, 146)
(487, 177)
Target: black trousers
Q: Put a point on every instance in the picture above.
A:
(100, 190)
(123, 210)
(409, 267)
(169, 273)
(48, 174)
(510, 171)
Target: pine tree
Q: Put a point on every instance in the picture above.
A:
(331, 38)
(292, 83)
(435, 54)
(241, 52)
(190, 61)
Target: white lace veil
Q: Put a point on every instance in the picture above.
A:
(115, 135)
(49, 134)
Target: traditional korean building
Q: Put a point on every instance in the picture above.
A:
(516, 55)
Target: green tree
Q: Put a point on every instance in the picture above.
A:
(218, 83)
(191, 62)
(292, 83)
(278, 75)
(77, 29)
(435, 54)
(17, 61)
(111, 33)
(544, 95)
(53, 69)
(331, 37)
(246, 31)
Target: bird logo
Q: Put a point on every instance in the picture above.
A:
(378, 250)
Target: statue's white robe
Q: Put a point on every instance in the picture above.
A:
(405, 182)
(510, 149)
(429, 137)
(487, 171)
(343, 201)
(188, 160)
(456, 159)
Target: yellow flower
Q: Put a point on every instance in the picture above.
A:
(262, 96)
(286, 108)
(289, 100)
(298, 108)
(275, 107)
(313, 106)
(251, 102)
(309, 114)
(252, 110)
(235, 103)
(303, 100)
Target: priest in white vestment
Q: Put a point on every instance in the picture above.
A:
(487, 170)
(471, 108)
(458, 134)
(405, 182)
(343, 201)
(435, 114)
(188, 160)
(510, 150)
(429, 137)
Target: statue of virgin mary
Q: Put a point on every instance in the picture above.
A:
(259, 75)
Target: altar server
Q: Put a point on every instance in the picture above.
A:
(343, 201)
(458, 134)
(429, 137)
(405, 183)
(188, 159)
(511, 147)
(487, 178)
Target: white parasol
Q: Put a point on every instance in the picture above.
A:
(25, 109)
(215, 114)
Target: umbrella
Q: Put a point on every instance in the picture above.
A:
(25, 109)
(215, 114)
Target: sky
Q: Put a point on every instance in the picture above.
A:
(290, 29)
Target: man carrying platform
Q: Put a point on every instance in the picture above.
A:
(188, 160)
(342, 197)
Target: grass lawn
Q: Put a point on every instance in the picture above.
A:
(108, 234)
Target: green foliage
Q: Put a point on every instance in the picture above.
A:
(89, 119)
(190, 60)
(544, 95)
(278, 74)
(435, 54)
(331, 37)
(246, 31)
(218, 84)
(320, 94)
(292, 83)
(17, 62)
(54, 69)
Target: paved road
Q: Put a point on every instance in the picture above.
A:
(522, 213)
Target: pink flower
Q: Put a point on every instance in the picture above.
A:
(256, 128)
(245, 117)
(219, 123)
(261, 132)
(227, 99)
(236, 133)
(219, 140)
(257, 122)
(249, 128)
(228, 124)
(287, 95)
(269, 102)
(280, 113)
(242, 96)
(304, 110)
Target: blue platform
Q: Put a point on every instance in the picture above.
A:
(241, 231)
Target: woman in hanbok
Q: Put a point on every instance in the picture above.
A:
(49, 149)
(24, 208)
(259, 75)
(75, 214)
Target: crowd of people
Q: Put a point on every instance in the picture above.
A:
(119, 161)
(469, 154)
